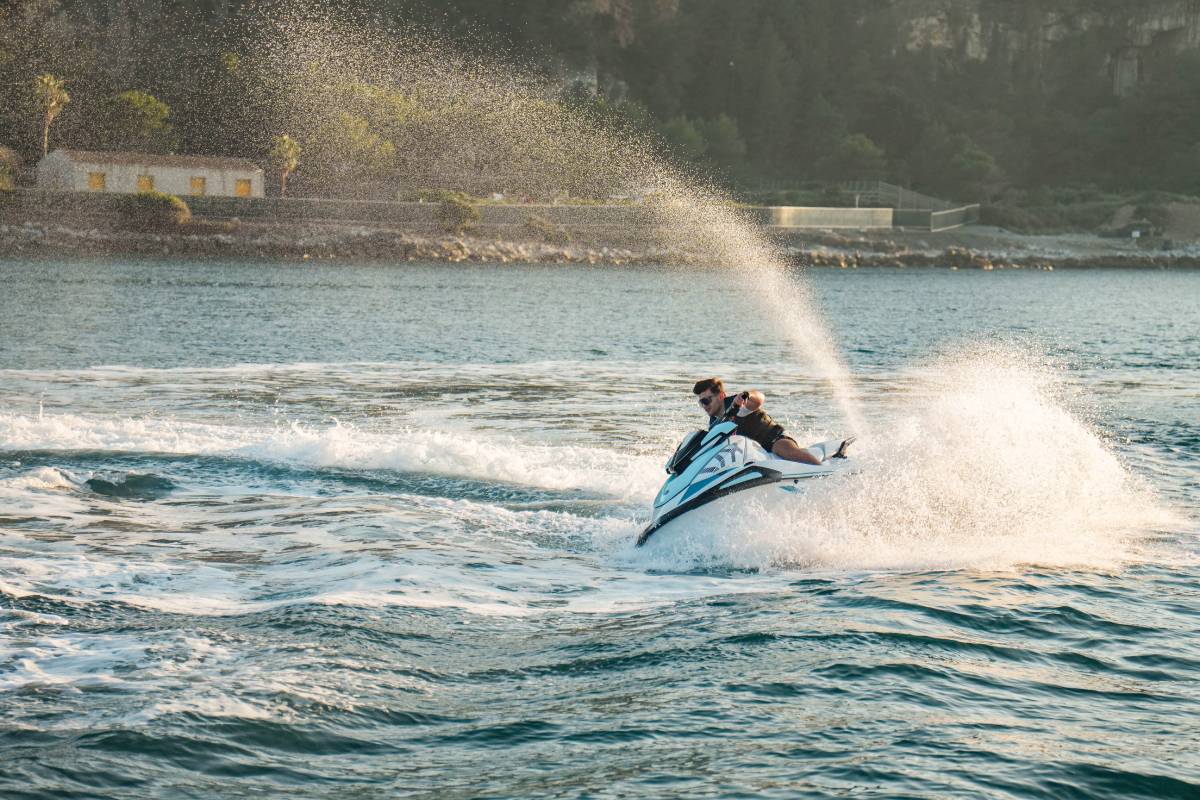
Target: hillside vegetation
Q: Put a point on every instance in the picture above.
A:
(991, 100)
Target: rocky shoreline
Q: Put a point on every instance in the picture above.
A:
(956, 258)
(40, 242)
(34, 241)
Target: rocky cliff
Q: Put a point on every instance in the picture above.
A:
(1124, 39)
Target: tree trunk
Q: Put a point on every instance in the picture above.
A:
(46, 137)
(283, 175)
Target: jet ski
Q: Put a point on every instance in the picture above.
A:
(715, 463)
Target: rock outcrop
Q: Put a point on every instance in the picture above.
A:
(1122, 39)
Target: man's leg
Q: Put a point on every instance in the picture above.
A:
(786, 447)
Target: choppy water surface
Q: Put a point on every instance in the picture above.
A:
(336, 531)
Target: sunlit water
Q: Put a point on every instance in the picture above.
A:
(339, 531)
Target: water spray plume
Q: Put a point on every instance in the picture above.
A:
(705, 219)
(405, 109)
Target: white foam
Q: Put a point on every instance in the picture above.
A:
(76, 432)
(38, 479)
(980, 465)
(162, 585)
(67, 662)
(462, 454)
(488, 457)
(212, 703)
(192, 670)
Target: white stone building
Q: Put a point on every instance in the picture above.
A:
(128, 173)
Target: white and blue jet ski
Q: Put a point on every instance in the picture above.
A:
(712, 464)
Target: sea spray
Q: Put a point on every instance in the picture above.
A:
(361, 98)
(703, 219)
(979, 464)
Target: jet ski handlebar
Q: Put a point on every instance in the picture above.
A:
(733, 409)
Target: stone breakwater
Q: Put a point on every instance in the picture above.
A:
(37, 241)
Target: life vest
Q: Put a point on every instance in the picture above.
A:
(757, 425)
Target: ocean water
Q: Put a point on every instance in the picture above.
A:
(337, 531)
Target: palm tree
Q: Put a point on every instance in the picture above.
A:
(52, 98)
(285, 157)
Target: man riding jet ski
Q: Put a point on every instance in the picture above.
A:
(742, 449)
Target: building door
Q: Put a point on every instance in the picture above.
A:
(242, 187)
(199, 185)
(96, 181)
(145, 183)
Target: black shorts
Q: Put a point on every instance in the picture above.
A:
(770, 445)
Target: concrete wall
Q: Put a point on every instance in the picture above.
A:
(99, 209)
(937, 220)
(58, 172)
(953, 218)
(631, 216)
(811, 217)
(54, 173)
(71, 207)
(302, 209)
(912, 218)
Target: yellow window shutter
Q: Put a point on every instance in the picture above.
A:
(199, 185)
(242, 187)
(145, 183)
(96, 181)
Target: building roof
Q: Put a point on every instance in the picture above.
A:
(155, 160)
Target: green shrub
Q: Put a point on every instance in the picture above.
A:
(539, 227)
(1090, 216)
(431, 195)
(457, 213)
(10, 163)
(836, 197)
(1157, 214)
(793, 197)
(1080, 217)
(154, 211)
(1008, 217)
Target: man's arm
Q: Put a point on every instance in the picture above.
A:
(750, 401)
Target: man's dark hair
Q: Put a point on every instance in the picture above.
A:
(708, 383)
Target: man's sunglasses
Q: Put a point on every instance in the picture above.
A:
(704, 401)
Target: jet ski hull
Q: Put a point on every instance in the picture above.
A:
(716, 494)
(718, 463)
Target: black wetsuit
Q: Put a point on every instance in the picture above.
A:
(756, 425)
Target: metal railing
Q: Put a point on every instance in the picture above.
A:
(898, 197)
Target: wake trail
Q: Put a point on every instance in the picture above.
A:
(467, 454)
